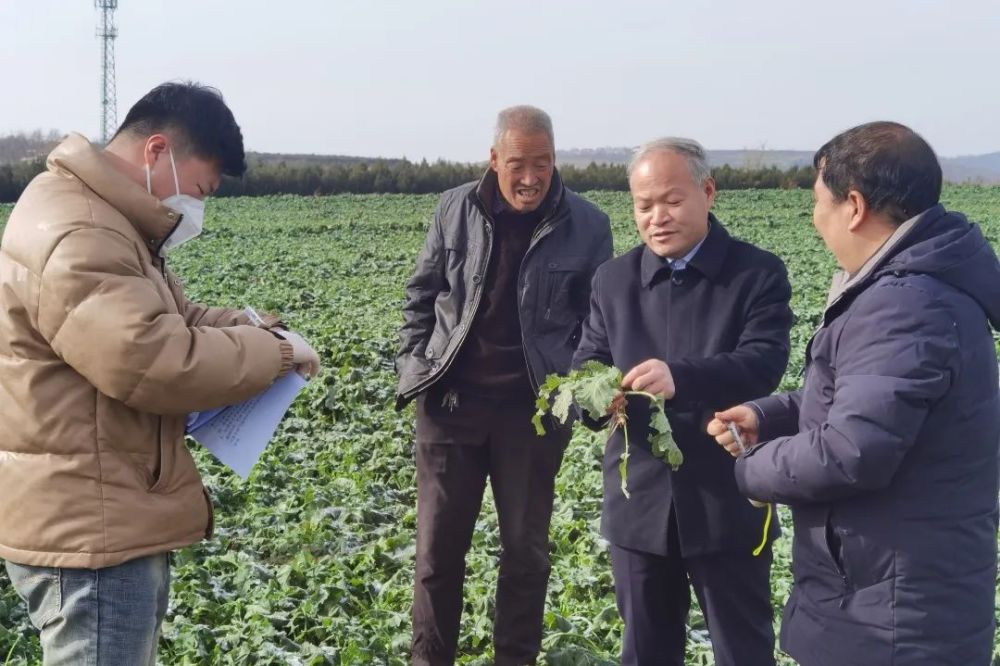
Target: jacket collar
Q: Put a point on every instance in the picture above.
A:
(76, 156)
(708, 260)
(845, 284)
(487, 189)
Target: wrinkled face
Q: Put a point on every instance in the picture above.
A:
(523, 162)
(831, 219)
(671, 209)
(196, 177)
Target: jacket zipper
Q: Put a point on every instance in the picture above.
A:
(159, 451)
(159, 419)
(475, 308)
(169, 234)
(450, 400)
(548, 300)
(545, 227)
(208, 500)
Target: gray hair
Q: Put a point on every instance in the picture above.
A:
(689, 149)
(524, 118)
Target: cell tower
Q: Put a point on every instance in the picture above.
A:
(107, 32)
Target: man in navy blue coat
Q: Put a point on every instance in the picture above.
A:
(888, 456)
(701, 319)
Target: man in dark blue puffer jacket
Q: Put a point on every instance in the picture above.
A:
(888, 456)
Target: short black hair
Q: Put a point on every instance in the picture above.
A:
(198, 114)
(889, 164)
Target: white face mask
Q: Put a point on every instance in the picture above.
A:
(191, 210)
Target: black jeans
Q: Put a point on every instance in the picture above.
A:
(458, 448)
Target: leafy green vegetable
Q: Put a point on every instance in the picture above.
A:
(312, 558)
(594, 387)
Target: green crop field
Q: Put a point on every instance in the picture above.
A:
(312, 559)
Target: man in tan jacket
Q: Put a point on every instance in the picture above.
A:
(101, 359)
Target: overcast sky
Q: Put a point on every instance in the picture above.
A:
(425, 78)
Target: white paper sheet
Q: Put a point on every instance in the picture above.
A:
(237, 435)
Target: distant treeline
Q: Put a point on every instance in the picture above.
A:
(14, 177)
(27, 145)
(408, 177)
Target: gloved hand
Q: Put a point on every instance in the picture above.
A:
(305, 358)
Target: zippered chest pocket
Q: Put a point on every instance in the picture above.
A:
(563, 294)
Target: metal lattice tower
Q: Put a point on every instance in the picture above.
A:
(107, 32)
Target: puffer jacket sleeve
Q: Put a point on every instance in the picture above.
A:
(196, 314)
(777, 415)
(897, 355)
(102, 314)
(422, 289)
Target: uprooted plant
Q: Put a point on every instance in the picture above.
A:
(594, 387)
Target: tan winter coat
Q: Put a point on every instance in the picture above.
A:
(101, 358)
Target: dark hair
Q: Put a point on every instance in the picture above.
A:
(197, 117)
(889, 164)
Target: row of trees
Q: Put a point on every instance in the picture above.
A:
(402, 176)
(14, 177)
(422, 178)
(27, 145)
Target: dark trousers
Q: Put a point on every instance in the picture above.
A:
(458, 448)
(654, 595)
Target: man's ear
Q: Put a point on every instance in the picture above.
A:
(709, 188)
(860, 212)
(494, 158)
(155, 146)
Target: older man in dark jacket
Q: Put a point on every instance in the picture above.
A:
(888, 456)
(699, 318)
(495, 304)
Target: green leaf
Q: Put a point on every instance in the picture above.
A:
(661, 440)
(593, 387)
(666, 448)
(550, 384)
(562, 403)
(658, 419)
(536, 421)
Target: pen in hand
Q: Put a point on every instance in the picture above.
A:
(735, 432)
(307, 360)
(255, 319)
